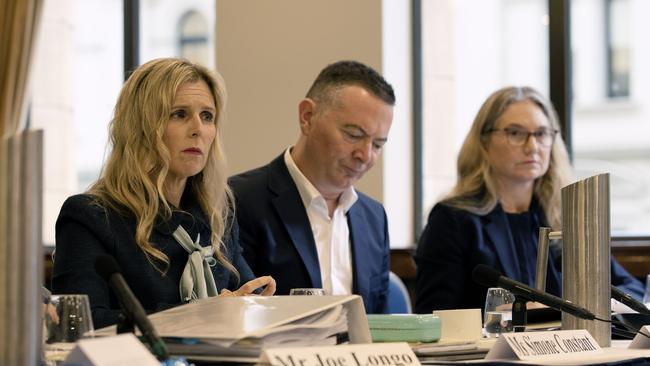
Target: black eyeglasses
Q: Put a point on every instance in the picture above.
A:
(519, 136)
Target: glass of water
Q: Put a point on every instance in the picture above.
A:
(308, 291)
(68, 319)
(497, 318)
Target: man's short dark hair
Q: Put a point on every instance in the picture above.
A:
(345, 73)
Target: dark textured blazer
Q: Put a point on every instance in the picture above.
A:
(454, 241)
(277, 239)
(84, 231)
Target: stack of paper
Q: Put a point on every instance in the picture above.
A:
(449, 351)
(235, 327)
(434, 353)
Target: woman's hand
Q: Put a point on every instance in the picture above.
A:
(249, 287)
(535, 305)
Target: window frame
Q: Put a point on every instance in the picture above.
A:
(609, 59)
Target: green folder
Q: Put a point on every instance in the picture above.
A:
(404, 327)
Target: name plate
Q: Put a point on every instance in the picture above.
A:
(640, 341)
(385, 354)
(122, 349)
(532, 346)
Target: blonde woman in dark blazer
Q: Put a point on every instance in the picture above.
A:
(511, 168)
(161, 206)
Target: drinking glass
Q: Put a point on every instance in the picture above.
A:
(646, 296)
(498, 312)
(307, 291)
(68, 318)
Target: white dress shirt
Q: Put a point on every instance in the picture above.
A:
(331, 234)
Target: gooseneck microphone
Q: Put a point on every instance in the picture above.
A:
(617, 294)
(629, 301)
(487, 276)
(109, 270)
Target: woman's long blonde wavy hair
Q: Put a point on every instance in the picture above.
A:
(132, 180)
(475, 189)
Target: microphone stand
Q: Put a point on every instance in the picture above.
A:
(125, 324)
(519, 315)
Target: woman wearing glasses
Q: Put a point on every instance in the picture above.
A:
(511, 168)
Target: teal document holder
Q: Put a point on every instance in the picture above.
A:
(404, 327)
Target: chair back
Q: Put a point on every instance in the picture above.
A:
(399, 300)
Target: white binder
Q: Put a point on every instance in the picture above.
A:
(232, 327)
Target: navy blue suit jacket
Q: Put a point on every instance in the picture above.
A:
(85, 231)
(276, 235)
(454, 241)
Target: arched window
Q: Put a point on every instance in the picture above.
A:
(193, 37)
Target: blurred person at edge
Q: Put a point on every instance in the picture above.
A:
(161, 206)
(511, 168)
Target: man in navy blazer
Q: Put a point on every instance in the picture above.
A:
(301, 220)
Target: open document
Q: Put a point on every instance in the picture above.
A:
(236, 327)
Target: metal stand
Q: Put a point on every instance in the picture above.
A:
(125, 324)
(586, 263)
(519, 316)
